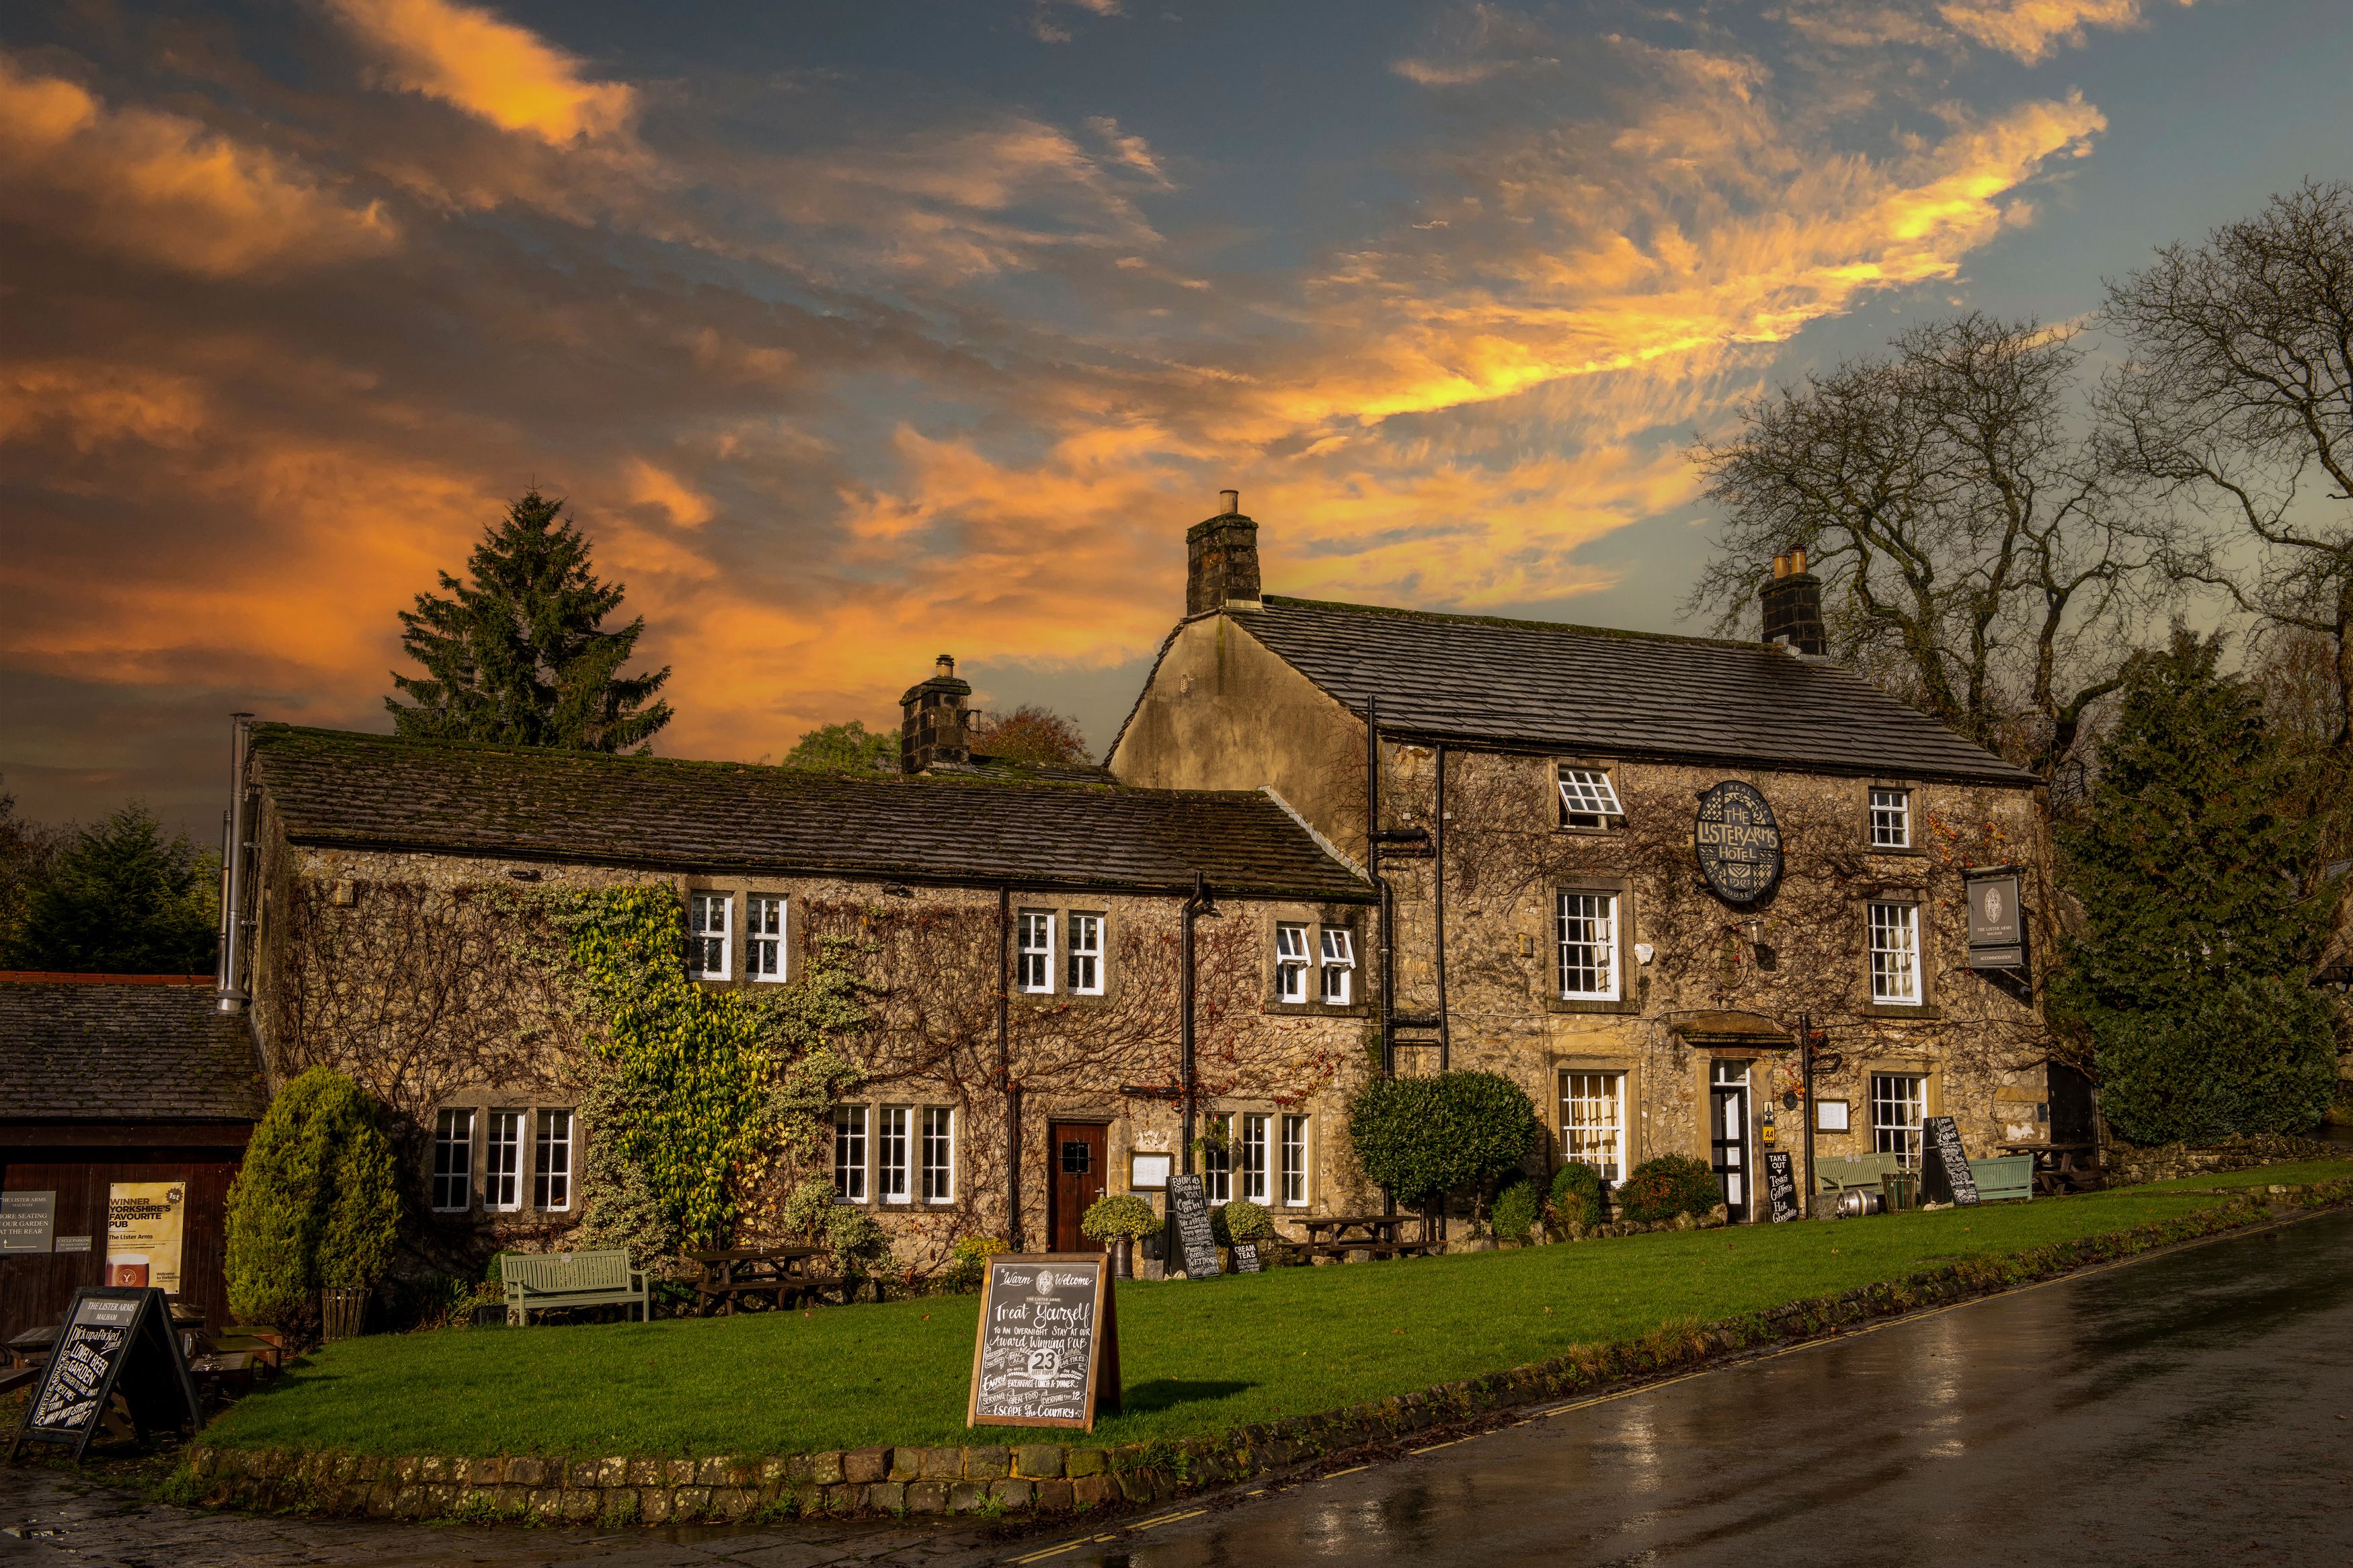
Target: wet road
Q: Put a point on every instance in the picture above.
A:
(2196, 1408)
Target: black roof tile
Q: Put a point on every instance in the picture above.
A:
(88, 1051)
(332, 787)
(1578, 687)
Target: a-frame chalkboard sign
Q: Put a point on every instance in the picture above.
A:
(1945, 1173)
(1047, 1350)
(117, 1339)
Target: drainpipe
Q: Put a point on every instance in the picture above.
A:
(232, 997)
(1805, 1074)
(1194, 908)
(1005, 1070)
(1445, 1035)
(1373, 868)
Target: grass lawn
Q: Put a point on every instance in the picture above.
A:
(1198, 1357)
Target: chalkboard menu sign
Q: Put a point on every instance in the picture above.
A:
(1944, 1175)
(1781, 1185)
(1047, 1351)
(1246, 1259)
(1188, 1209)
(116, 1340)
(1738, 842)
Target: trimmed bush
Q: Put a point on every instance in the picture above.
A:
(968, 1263)
(1669, 1185)
(1423, 1138)
(2257, 1055)
(1516, 1208)
(1240, 1220)
(316, 1203)
(1117, 1215)
(1576, 1195)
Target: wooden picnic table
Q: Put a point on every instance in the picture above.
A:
(1380, 1234)
(2059, 1167)
(786, 1276)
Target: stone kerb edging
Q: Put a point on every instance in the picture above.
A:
(992, 1480)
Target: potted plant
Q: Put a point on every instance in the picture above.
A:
(1120, 1220)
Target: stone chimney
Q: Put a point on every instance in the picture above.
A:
(1793, 607)
(931, 720)
(1221, 560)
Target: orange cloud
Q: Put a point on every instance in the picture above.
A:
(164, 188)
(650, 485)
(467, 57)
(2035, 30)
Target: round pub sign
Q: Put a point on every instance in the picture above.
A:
(1739, 843)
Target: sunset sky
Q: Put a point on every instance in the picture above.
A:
(858, 333)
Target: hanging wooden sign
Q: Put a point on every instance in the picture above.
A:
(1781, 1186)
(116, 1340)
(1046, 1353)
(1945, 1175)
(1996, 933)
(1738, 842)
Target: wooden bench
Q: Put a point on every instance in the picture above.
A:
(536, 1281)
(2003, 1177)
(1847, 1170)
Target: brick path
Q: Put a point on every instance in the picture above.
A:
(49, 1519)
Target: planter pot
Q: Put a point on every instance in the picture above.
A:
(343, 1312)
(1123, 1258)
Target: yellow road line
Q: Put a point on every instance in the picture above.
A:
(1055, 1551)
(1166, 1518)
(1351, 1470)
(1435, 1446)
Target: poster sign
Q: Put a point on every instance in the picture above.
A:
(1944, 1175)
(1781, 1185)
(1738, 842)
(1246, 1259)
(115, 1340)
(1189, 1210)
(143, 1223)
(1047, 1350)
(1147, 1171)
(1829, 1116)
(27, 1221)
(1996, 933)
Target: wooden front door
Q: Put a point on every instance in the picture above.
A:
(1076, 1150)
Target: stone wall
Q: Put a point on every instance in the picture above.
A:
(2130, 1166)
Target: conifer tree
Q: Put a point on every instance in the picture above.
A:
(120, 898)
(518, 654)
(2191, 972)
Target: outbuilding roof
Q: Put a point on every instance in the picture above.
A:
(104, 1047)
(1611, 693)
(332, 787)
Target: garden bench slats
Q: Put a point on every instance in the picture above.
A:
(2003, 1177)
(537, 1281)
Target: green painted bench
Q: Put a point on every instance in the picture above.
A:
(2003, 1177)
(1844, 1171)
(537, 1281)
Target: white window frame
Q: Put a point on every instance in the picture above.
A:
(1217, 1160)
(453, 1160)
(1291, 960)
(1589, 798)
(1890, 819)
(1294, 1161)
(1335, 966)
(939, 1153)
(1033, 963)
(552, 1161)
(891, 1165)
(706, 940)
(1251, 1168)
(1899, 1111)
(1895, 942)
(1586, 945)
(1086, 955)
(1593, 1119)
(503, 1160)
(764, 918)
(850, 1150)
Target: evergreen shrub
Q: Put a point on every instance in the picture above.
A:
(1517, 1207)
(1669, 1185)
(1119, 1214)
(1576, 1195)
(315, 1204)
(1240, 1220)
(968, 1263)
(1423, 1138)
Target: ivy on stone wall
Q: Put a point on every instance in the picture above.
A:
(696, 1091)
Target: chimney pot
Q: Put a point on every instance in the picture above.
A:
(1780, 566)
(1230, 504)
(1798, 559)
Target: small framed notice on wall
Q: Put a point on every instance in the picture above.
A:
(1148, 1171)
(1829, 1116)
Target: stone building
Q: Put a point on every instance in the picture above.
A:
(1533, 797)
(1025, 943)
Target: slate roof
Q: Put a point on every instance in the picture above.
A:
(374, 792)
(102, 1049)
(1611, 693)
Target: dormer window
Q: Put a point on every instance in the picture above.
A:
(1588, 799)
